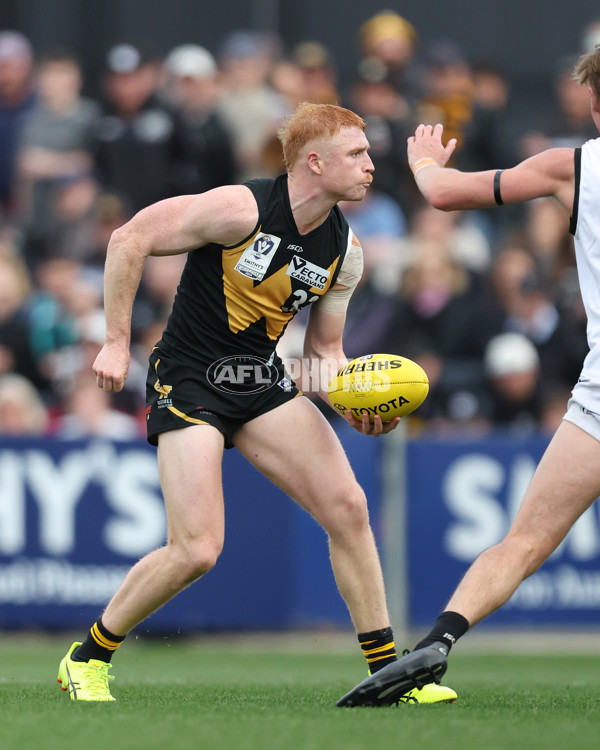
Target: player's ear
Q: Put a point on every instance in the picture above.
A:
(313, 160)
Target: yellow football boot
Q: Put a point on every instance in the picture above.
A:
(430, 693)
(85, 680)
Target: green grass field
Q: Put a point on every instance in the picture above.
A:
(220, 693)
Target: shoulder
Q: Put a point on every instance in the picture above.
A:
(353, 265)
(557, 162)
(230, 212)
(262, 188)
(549, 173)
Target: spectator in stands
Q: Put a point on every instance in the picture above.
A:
(514, 395)
(16, 99)
(543, 229)
(88, 413)
(52, 326)
(448, 95)
(70, 231)
(461, 232)
(251, 108)
(156, 293)
(434, 324)
(318, 74)
(137, 140)
(55, 145)
(22, 411)
(207, 158)
(566, 123)
(526, 306)
(17, 354)
(389, 121)
(74, 362)
(388, 41)
(380, 223)
(109, 212)
(487, 138)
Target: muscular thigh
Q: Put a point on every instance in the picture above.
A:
(565, 484)
(296, 447)
(189, 462)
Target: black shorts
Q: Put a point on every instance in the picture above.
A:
(181, 392)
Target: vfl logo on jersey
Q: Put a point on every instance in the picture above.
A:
(308, 273)
(256, 258)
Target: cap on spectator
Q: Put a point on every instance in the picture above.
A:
(92, 327)
(126, 58)
(443, 53)
(590, 37)
(312, 55)
(241, 44)
(386, 25)
(373, 70)
(510, 354)
(14, 46)
(191, 61)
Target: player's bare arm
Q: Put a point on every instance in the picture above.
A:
(226, 215)
(550, 173)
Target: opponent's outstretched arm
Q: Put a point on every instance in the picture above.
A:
(550, 173)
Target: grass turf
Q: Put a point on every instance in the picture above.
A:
(209, 694)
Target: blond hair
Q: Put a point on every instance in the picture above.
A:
(22, 410)
(313, 121)
(587, 70)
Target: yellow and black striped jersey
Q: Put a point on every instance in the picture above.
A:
(239, 300)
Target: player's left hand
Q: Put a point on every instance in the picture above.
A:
(366, 427)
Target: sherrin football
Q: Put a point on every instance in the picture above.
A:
(383, 384)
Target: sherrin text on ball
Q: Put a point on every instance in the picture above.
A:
(384, 384)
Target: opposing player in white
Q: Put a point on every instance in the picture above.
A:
(567, 480)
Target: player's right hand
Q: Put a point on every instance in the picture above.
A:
(111, 368)
(427, 143)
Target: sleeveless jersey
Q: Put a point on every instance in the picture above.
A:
(585, 227)
(239, 300)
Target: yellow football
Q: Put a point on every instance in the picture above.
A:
(383, 384)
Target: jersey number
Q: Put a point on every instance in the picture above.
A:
(296, 300)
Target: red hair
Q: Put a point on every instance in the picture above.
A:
(313, 121)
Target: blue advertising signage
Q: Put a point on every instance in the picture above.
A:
(74, 517)
(462, 498)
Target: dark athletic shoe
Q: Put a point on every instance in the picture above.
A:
(387, 686)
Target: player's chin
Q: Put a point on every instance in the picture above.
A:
(357, 193)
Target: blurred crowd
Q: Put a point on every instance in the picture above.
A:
(487, 302)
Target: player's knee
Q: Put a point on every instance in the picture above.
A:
(530, 550)
(347, 512)
(197, 559)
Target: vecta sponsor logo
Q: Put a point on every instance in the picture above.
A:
(308, 273)
(242, 375)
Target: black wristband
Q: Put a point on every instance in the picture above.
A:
(497, 194)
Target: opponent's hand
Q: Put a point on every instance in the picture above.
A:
(427, 143)
(366, 427)
(111, 368)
